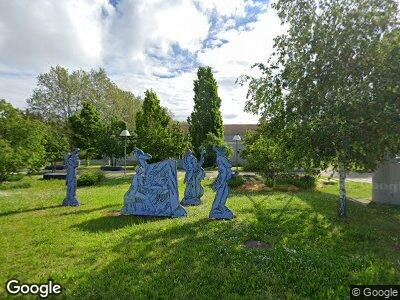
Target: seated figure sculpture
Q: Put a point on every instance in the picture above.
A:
(219, 209)
(154, 189)
(71, 162)
(193, 177)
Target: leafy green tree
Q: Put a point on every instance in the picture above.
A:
(60, 94)
(112, 102)
(330, 91)
(86, 130)
(210, 141)
(111, 144)
(206, 116)
(157, 133)
(21, 141)
(56, 145)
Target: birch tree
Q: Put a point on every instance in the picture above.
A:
(331, 88)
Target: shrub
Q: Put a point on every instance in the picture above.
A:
(90, 178)
(14, 177)
(302, 182)
(306, 182)
(236, 181)
(14, 185)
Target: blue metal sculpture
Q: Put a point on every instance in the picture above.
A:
(71, 161)
(154, 189)
(193, 177)
(219, 209)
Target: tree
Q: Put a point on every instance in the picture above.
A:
(56, 145)
(21, 141)
(111, 144)
(206, 116)
(331, 90)
(86, 130)
(60, 94)
(157, 133)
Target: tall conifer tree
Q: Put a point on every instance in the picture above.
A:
(206, 116)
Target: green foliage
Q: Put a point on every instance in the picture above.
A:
(206, 116)
(301, 181)
(86, 130)
(331, 90)
(111, 144)
(157, 133)
(56, 145)
(60, 94)
(14, 177)
(210, 141)
(21, 141)
(90, 178)
(236, 181)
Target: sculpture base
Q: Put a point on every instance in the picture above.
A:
(137, 209)
(70, 202)
(191, 201)
(225, 214)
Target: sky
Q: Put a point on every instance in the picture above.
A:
(141, 44)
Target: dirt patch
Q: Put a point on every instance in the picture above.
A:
(286, 188)
(114, 213)
(254, 187)
(257, 244)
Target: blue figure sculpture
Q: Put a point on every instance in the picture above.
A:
(193, 177)
(154, 189)
(219, 209)
(71, 163)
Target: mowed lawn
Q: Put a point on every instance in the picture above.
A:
(95, 253)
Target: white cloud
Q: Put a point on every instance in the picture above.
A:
(137, 43)
(36, 34)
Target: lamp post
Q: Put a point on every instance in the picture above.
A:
(124, 133)
(237, 139)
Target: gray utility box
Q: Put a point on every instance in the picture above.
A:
(386, 183)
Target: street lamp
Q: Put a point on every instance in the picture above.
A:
(237, 139)
(125, 134)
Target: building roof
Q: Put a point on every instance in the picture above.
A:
(230, 129)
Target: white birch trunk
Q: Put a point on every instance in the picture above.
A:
(342, 191)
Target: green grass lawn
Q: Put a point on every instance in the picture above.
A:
(94, 253)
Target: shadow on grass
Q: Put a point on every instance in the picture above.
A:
(314, 253)
(114, 221)
(15, 212)
(78, 211)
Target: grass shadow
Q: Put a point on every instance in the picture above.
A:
(86, 211)
(15, 212)
(114, 221)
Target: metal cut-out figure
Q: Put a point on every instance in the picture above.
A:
(154, 189)
(193, 177)
(71, 164)
(219, 209)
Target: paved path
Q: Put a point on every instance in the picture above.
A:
(351, 176)
(356, 177)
